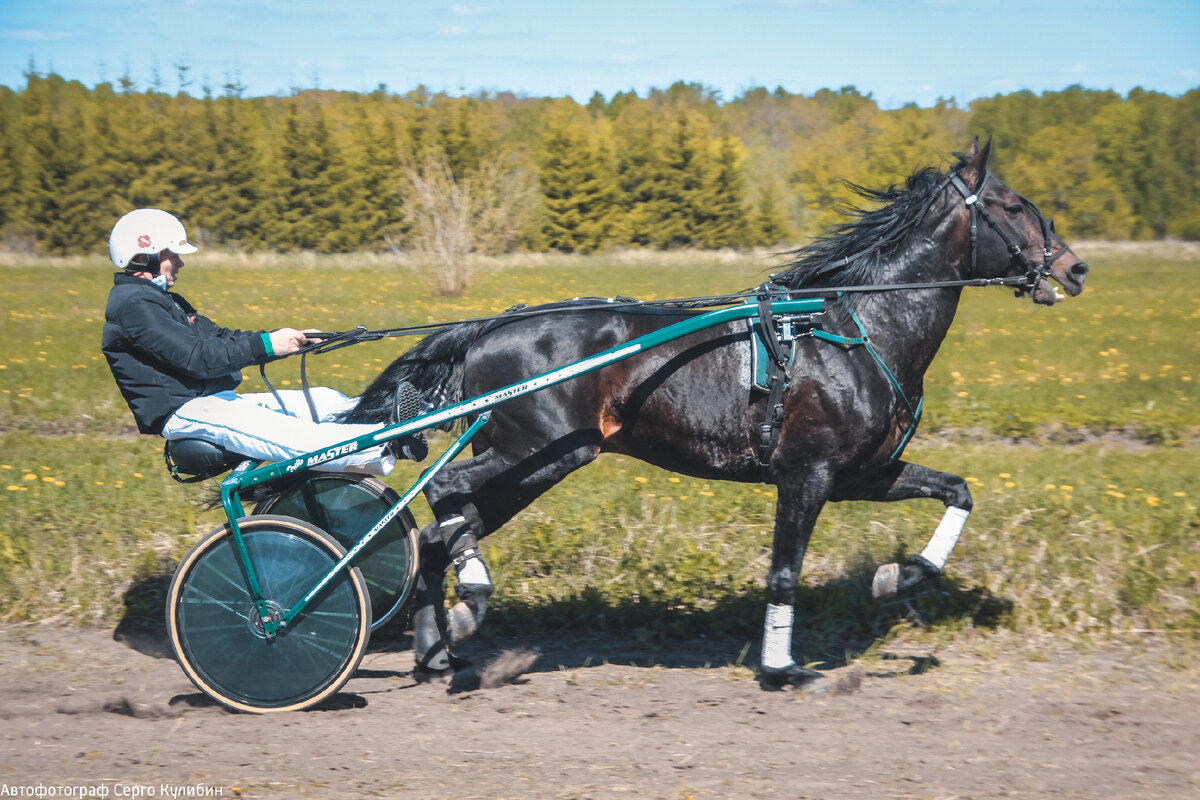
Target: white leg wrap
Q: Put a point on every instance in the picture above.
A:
(473, 571)
(777, 637)
(945, 537)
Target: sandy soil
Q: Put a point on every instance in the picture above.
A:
(606, 718)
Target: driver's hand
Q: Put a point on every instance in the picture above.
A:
(286, 341)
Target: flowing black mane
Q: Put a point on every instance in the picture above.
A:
(852, 253)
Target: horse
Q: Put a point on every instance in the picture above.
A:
(845, 416)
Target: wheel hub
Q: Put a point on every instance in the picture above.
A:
(255, 619)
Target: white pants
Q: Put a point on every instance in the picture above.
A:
(255, 426)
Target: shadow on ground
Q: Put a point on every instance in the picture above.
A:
(836, 622)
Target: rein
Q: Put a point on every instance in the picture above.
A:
(333, 340)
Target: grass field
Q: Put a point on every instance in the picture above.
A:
(1076, 425)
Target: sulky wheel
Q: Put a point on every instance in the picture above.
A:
(217, 633)
(348, 506)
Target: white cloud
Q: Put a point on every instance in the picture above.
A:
(624, 58)
(459, 10)
(34, 35)
(1078, 69)
(452, 30)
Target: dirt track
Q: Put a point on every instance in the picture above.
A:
(83, 710)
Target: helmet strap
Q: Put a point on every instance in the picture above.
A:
(152, 264)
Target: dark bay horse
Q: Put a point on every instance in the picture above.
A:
(682, 406)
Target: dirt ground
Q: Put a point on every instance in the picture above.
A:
(87, 715)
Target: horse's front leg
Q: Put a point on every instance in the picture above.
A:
(796, 511)
(904, 481)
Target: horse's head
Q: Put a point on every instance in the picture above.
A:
(1009, 236)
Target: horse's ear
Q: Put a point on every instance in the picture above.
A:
(975, 164)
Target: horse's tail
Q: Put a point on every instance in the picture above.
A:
(434, 366)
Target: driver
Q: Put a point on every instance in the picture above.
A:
(177, 369)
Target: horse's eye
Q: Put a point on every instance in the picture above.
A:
(1015, 208)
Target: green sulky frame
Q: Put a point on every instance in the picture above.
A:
(251, 473)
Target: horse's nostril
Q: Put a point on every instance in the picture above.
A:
(1080, 269)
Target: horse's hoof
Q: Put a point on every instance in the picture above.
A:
(893, 579)
(439, 674)
(886, 583)
(429, 675)
(792, 676)
(460, 624)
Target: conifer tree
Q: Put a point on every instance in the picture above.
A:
(577, 191)
(239, 193)
(11, 201)
(307, 200)
(768, 226)
(638, 171)
(679, 215)
(724, 202)
(56, 194)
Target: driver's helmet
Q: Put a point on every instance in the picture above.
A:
(148, 231)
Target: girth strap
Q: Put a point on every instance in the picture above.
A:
(768, 430)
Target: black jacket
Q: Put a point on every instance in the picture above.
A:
(163, 354)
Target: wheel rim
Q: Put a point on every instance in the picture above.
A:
(347, 508)
(224, 643)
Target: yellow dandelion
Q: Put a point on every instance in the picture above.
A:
(14, 488)
(5, 466)
(138, 475)
(962, 394)
(48, 478)
(1118, 495)
(705, 494)
(1010, 484)
(29, 476)
(1049, 486)
(673, 479)
(1178, 494)
(1153, 501)
(1005, 475)
(99, 483)
(683, 497)
(1066, 487)
(640, 479)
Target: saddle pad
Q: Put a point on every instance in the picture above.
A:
(759, 357)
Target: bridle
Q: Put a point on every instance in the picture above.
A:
(1033, 272)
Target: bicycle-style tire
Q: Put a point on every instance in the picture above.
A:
(218, 637)
(347, 507)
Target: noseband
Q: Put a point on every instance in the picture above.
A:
(1033, 272)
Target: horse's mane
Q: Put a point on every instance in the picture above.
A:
(852, 252)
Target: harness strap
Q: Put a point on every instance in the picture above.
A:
(864, 341)
(768, 430)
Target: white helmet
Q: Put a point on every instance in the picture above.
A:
(149, 231)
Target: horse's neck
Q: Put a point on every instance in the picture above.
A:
(908, 327)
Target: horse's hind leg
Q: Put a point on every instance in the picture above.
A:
(904, 481)
(471, 500)
(429, 616)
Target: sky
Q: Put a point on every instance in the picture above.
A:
(899, 52)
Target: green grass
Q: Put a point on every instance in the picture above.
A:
(1086, 515)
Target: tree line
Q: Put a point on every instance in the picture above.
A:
(679, 167)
